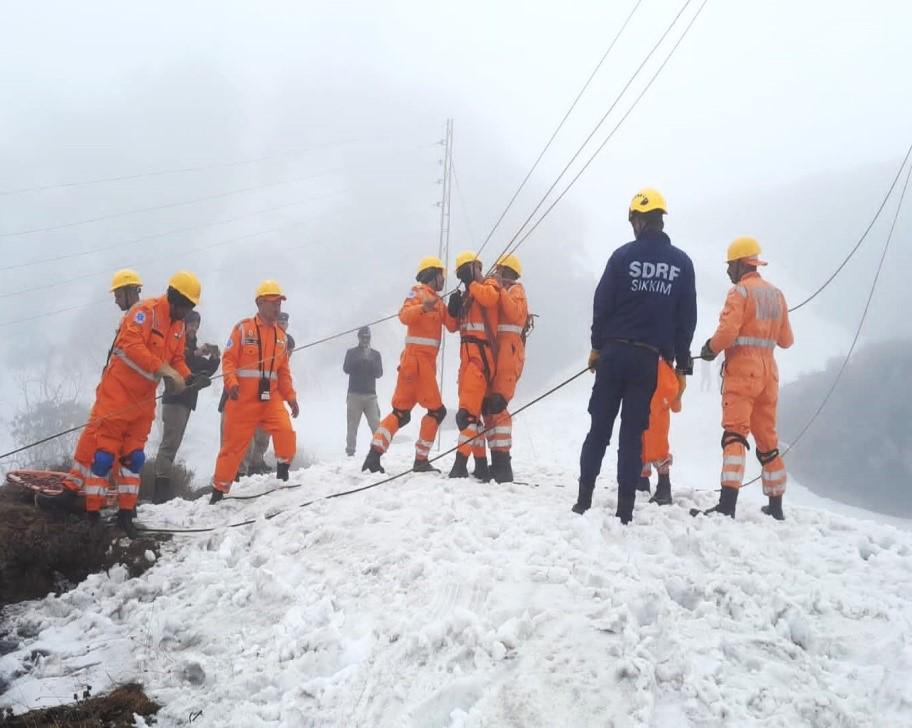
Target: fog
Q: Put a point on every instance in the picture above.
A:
(300, 141)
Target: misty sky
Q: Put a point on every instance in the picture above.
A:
(784, 120)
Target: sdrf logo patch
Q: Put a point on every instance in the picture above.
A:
(411, 294)
(140, 317)
(229, 343)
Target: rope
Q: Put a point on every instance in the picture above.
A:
(560, 126)
(352, 491)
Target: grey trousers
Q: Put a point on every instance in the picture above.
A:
(256, 451)
(359, 404)
(174, 424)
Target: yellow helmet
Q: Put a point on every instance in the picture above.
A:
(188, 285)
(430, 261)
(466, 256)
(512, 262)
(647, 200)
(746, 249)
(269, 288)
(125, 277)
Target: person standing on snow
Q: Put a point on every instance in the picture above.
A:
(364, 367)
(656, 449)
(425, 316)
(510, 345)
(645, 307)
(176, 408)
(476, 312)
(258, 383)
(149, 345)
(752, 324)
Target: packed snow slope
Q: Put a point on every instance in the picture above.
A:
(436, 602)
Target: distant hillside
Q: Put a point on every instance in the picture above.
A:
(859, 450)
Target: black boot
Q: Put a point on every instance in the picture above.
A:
(125, 523)
(163, 491)
(423, 466)
(625, 507)
(67, 501)
(282, 471)
(662, 495)
(459, 469)
(481, 469)
(774, 508)
(372, 462)
(584, 499)
(728, 499)
(216, 496)
(643, 485)
(501, 466)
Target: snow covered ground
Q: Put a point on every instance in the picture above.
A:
(430, 602)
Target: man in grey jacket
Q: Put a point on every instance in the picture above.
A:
(364, 367)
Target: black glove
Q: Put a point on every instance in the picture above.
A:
(198, 381)
(454, 305)
(466, 273)
(707, 353)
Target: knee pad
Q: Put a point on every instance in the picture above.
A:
(404, 416)
(134, 460)
(102, 463)
(767, 457)
(437, 414)
(464, 419)
(729, 437)
(494, 405)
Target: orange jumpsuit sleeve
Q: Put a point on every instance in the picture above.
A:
(133, 339)
(412, 308)
(730, 320)
(786, 337)
(451, 323)
(286, 387)
(178, 361)
(231, 357)
(487, 292)
(513, 301)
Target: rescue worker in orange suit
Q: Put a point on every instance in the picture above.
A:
(425, 316)
(512, 316)
(476, 310)
(149, 345)
(656, 450)
(258, 383)
(752, 324)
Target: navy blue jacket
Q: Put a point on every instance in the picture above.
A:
(648, 294)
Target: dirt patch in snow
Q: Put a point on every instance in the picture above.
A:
(114, 710)
(43, 552)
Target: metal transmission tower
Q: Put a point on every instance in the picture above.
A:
(443, 245)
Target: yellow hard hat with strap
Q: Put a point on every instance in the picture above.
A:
(429, 261)
(188, 285)
(125, 277)
(269, 288)
(466, 256)
(745, 248)
(512, 262)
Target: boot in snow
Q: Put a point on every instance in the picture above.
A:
(501, 467)
(423, 466)
(372, 462)
(282, 471)
(774, 508)
(481, 469)
(625, 507)
(728, 499)
(163, 491)
(662, 495)
(459, 469)
(643, 485)
(584, 499)
(216, 496)
(125, 523)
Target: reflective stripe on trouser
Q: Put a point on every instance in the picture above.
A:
(663, 467)
(774, 477)
(733, 462)
(467, 437)
(426, 436)
(499, 431)
(241, 420)
(127, 488)
(385, 432)
(96, 491)
(75, 479)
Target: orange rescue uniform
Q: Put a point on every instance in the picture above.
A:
(417, 379)
(512, 314)
(256, 351)
(477, 359)
(124, 408)
(665, 400)
(753, 322)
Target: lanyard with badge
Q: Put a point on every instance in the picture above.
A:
(263, 390)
